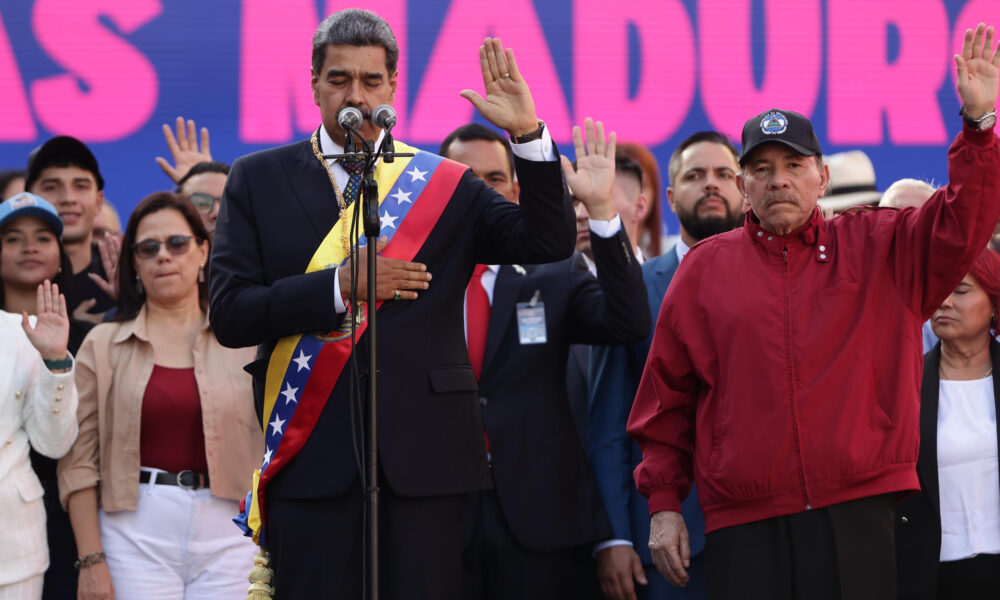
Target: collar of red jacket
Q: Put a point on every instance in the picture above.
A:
(814, 235)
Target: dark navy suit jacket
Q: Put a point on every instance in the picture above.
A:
(615, 373)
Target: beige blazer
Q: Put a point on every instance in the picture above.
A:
(113, 367)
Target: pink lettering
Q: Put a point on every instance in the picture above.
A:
(666, 66)
(16, 124)
(792, 60)
(110, 88)
(453, 67)
(275, 61)
(864, 85)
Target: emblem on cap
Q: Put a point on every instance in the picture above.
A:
(22, 200)
(774, 123)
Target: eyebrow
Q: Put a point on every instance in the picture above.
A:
(335, 72)
(58, 180)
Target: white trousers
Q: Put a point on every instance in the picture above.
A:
(178, 544)
(27, 589)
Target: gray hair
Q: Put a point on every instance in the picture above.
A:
(354, 27)
(907, 192)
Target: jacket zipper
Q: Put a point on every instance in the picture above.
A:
(791, 377)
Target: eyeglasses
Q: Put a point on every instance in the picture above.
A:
(203, 202)
(176, 245)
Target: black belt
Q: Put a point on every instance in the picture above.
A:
(184, 479)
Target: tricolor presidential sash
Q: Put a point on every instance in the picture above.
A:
(303, 369)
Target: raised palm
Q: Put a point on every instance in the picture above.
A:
(593, 179)
(50, 335)
(508, 103)
(978, 71)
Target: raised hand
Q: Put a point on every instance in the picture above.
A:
(593, 179)
(508, 103)
(184, 149)
(977, 72)
(110, 248)
(394, 277)
(50, 335)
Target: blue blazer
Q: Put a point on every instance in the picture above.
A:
(614, 377)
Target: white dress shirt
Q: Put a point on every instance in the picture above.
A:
(681, 248)
(967, 469)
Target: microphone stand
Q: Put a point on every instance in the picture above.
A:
(372, 227)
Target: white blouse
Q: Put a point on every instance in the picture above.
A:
(968, 476)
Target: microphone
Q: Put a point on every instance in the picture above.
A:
(349, 118)
(384, 116)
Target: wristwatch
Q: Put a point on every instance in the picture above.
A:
(983, 123)
(530, 136)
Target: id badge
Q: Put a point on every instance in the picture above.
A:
(531, 321)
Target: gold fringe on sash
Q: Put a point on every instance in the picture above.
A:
(260, 577)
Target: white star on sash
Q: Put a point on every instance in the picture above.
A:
(289, 393)
(267, 456)
(386, 221)
(276, 425)
(416, 174)
(402, 197)
(302, 360)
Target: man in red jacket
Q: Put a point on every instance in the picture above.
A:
(785, 366)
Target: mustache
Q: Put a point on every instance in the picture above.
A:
(773, 197)
(709, 196)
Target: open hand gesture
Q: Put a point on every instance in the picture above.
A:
(593, 179)
(184, 149)
(508, 103)
(51, 332)
(977, 72)
(110, 248)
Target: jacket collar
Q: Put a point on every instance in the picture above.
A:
(814, 234)
(137, 327)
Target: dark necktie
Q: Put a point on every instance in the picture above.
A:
(354, 166)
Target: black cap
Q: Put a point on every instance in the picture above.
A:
(782, 126)
(62, 149)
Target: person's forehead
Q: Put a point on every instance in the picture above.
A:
(774, 151)
(365, 60)
(66, 173)
(707, 155)
(25, 223)
(486, 154)
(206, 183)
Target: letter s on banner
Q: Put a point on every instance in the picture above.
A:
(121, 86)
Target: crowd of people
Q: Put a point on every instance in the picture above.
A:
(572, 404)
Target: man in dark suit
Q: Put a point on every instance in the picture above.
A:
(528, 534)
(278, 210)
(704, 197)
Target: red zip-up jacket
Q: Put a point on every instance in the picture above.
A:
(784, 372)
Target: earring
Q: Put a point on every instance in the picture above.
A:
(201, 274)
(138, 286)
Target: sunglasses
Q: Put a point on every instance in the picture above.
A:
(203, 202)
(176, 245)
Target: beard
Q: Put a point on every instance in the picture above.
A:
(702, 227)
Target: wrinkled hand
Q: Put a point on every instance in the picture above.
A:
(508, 103)
(593, 179)
(50, 335)
(977, 73)
(110, 248)
(184, 149)
(94, 583)
(670, 546)
(616, 567)
(394, 276)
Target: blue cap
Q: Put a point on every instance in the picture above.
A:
(29, 205)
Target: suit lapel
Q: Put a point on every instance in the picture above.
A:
(311, 185)
(666, 273)
(927, 465)
(505, 294)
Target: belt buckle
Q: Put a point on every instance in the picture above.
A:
(191, 486)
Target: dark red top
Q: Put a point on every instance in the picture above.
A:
(172, 437)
